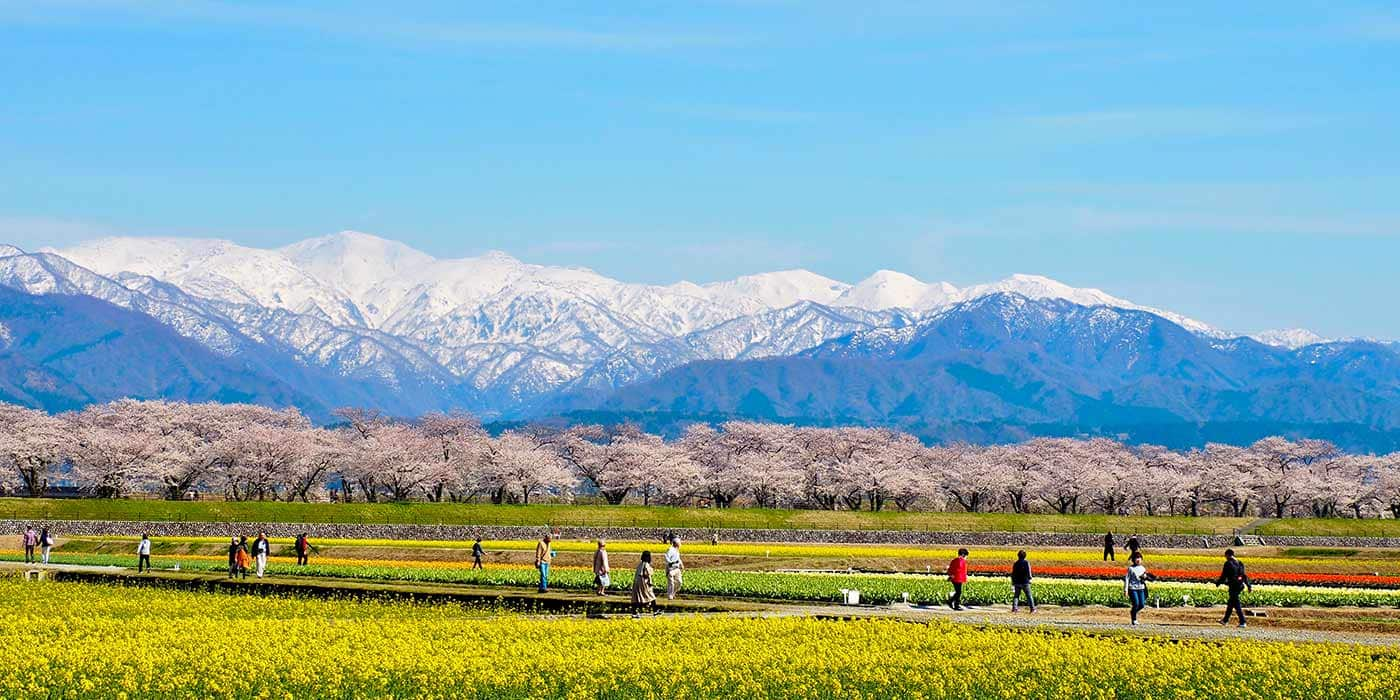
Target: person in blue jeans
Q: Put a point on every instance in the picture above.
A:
(1021, 582)
(1135, 585)
(543, 553)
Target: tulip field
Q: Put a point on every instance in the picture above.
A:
(791, 587)
(88, 640)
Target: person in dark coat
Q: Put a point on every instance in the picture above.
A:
(477, 553)
(232, 557)
(1021, 582)
(1232, 575)
(303, 547)
(1134, 545)
(1108, 554)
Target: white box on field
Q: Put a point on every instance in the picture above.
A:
(850, 596)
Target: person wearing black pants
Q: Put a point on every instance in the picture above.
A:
(143, 554)
(1232, 574)
(957, 575)
(1108, 553)
(31, 539)
(303, 547)
(477, 553)
(232, 557)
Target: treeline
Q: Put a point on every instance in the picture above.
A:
(245, 452)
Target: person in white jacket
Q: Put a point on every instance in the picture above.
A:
(675, 569)
(143, 554)
(45, 544)
(261, 548)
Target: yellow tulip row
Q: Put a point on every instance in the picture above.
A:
(934, 554)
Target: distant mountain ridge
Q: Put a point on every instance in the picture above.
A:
(352, 318)
(1020, 363)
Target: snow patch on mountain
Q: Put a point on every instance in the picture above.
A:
(776, 290)
(1289, 338)
(216, 269)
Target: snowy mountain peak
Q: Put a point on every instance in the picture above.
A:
(886, 289)
(1289, 338)
(355, 262)
(499, 257)
(779, 289)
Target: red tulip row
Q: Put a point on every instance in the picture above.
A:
(1280, 578)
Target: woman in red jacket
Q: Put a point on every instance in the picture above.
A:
(957, 574)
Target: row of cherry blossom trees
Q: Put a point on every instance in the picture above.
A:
(245, 452)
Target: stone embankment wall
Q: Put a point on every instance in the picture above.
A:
(515, 532)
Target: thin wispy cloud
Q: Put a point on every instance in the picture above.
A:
(738, 113)
(1056, 220)
(1374, 27)
(396, 27)
(35, 232)
(1185, 121)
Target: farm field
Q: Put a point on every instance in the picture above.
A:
(703, 578)
(88, 640)
(1297, 565)
(595, 516)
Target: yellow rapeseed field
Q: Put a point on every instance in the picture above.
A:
(68, 640)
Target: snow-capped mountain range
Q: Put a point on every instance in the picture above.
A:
(492, 333)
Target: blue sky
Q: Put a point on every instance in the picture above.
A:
(1237, 162)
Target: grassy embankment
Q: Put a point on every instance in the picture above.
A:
(595, 515)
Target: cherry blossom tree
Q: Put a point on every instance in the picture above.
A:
(1282, 468)
(32, 445)
(458, 446)
(1166, 478)
(973, 476)
(594, 451)
(649, 467)
(1115, 472)
(521, 467)
(1229, 475)
(1018, 469)
(1387, 485)
(1063, 475)
(115, 452)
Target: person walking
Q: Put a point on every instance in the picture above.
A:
(261, 548)
(1134, 545)
(477, 553)
(45, 544)
(241, 556)
(543, 553)
(1135, 585)
(31, 539)
(1108, 552)
(1232, 575)
(232, 557)
(602, 573)
(675, 569)
(143, 554)
(303, 547)
(957, 575)
(643, 591)
(1021, 582)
